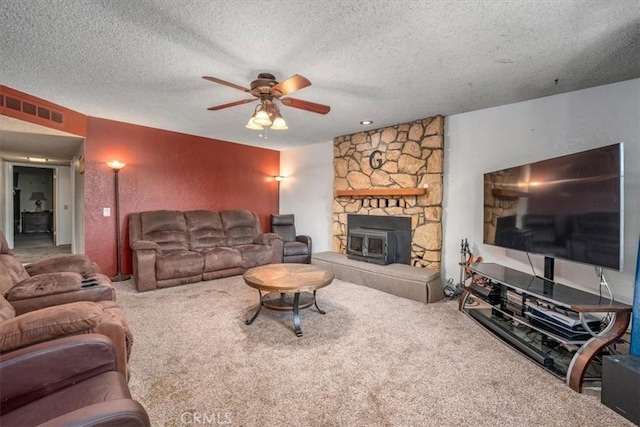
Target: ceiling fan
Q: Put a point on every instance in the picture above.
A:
(266, 89)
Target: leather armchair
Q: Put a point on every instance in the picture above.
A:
(295, 248)
(50, 323)
(51, 281)
(72, 381)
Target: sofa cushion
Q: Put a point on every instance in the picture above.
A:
(48, 323)
(295, 248)
(221, 259)
(178, 264)
(167, 228)
(255, 255)
(205, 230)
(240, 226)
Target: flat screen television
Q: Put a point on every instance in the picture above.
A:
(568, 207)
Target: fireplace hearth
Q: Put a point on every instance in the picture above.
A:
(379, 239)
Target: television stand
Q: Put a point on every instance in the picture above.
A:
(551, 323)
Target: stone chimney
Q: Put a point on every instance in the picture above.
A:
(407, 156)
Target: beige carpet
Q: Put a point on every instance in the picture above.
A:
(373, 360)
(32, 254)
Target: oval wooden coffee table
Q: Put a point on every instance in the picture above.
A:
(280, 281)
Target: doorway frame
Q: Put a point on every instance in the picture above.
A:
(8, 202)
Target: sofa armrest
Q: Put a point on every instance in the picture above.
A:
(144, 253)
(32, 372)
(48, 323)
(144, 265)
(118, 412)
(273, 240)
(304, 239)
(266, 239)
(141, 245)
(78, 263)
(114, 325)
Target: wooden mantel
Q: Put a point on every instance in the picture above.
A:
(382, 192)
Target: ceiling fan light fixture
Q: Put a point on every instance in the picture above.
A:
(279, 123)
(253, 125)
(261, 117)
(267, 90)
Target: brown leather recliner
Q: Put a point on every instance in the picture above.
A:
(51, 281)
(295, 248)
(50, 323)
(72, 381)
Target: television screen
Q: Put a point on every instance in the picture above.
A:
(568, 207)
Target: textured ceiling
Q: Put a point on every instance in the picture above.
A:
(387, 61)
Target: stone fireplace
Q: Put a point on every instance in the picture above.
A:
(393, 171)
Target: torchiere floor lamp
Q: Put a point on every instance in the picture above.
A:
(119, 277)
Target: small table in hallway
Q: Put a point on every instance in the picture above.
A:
(280, 281)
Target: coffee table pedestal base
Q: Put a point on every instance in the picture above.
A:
(285, 301)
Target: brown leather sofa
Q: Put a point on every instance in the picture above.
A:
(51, 281)
(50, 323)
(172, 248)
(72, 381)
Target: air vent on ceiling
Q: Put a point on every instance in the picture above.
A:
(44, 113)
(13, 103)
(31, 109)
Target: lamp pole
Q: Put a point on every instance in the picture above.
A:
(279, 179)
(119, 277)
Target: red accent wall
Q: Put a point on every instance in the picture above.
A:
(167, 170)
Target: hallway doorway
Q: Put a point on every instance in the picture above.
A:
(58, 206)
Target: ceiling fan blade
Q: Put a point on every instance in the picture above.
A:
(231, 104)
(222, 82)
(306, 105)
(292, 84)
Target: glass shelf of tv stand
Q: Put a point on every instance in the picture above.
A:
(519, 320)
(541, 288)
(551, 351)
(588, 354)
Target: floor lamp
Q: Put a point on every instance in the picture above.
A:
(279, 179)
(119, 277)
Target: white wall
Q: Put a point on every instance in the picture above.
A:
(510, 135)
(64, 195)
(77, 180)
(491, 139)
(307, 192)
(6, 217)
